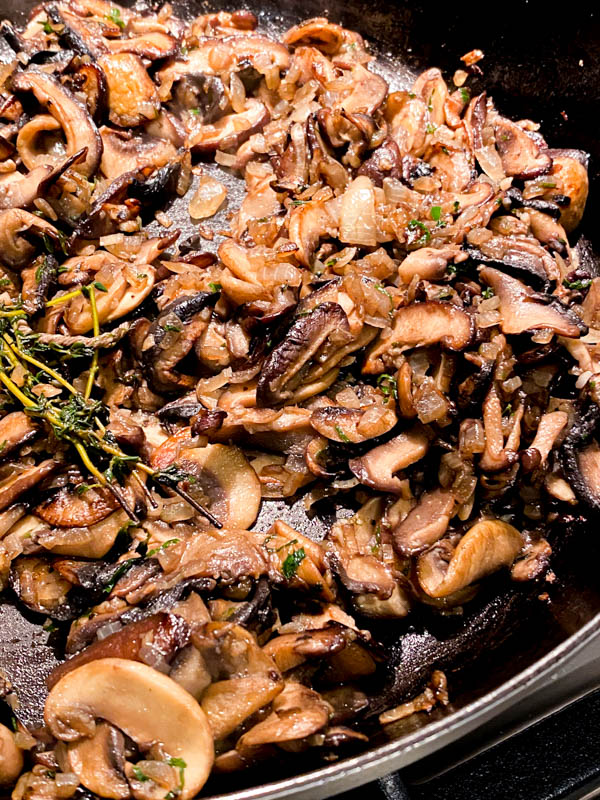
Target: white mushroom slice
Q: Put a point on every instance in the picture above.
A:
(225, 477)
(485, 548)
(28, 142)
(92, 542)
(143, 703)
(99, 762)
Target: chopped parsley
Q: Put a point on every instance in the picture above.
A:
(180, 764)
(375, 547)
(214, 287)
(435, 213)
(171, 328)
(508, 410)
(429, 128)
(580, 284)
(487, 292)
(162, 548)
(341, 434)
(455, 207)
(195, 111)
(122, 568)
(114, 15)
(387, 386)
(465, 95)
(5, 282)
(139, 775)
(331, 263)
(292, 562)
(49, 626)
(46, 27)
(548, 185)
(416, 225)
(100, 286)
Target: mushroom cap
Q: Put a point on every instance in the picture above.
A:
(145, 704)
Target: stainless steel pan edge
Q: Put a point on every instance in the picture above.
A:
(353, 772)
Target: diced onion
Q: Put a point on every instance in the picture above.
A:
(357, 214)
(208, 198)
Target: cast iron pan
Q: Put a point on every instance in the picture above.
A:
(538, 65)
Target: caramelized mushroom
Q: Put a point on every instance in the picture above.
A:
(99, 762)
(378, 467)
(425, 524)
(523, 310)
(132, 97)
(485, 548)
(521, 156)
(11, 757)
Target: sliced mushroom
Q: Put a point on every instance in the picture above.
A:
(17, 484)
(11, 757)
(485, 548)
(132, 96)
(580, 458)
(354, 424)
(298, 712)
(420, 325)
(289, 363)
(521, 156)
(152, 45)
(80, 130)
(30, 137)
(125, 153)
(40, 587)
(521, 309)
(378, 467)
(224, 480)
(535, 561)
(498, 454)
(17, 249)
(69, 508)
(132, 697)
(99, 762)
(549, 429)
(568, 178)
(16, 428)
(429, 263)
(255, 680)
(425, 524)
(92, 541)
(520, 254)
(231, 130)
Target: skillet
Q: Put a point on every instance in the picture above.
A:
(536, 65)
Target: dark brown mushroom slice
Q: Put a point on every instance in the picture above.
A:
(231, 130)
(535, 561)
(90, 79)
(41, 588)
(378, 467)
(76, 122)
(317, 32)
(203, 95)
(425, 524)
(287, 364)
(99, 762)
(126, 153)
(18, 190)
(521, 156)
(369, 90)
(525, 257)
(291, 167)
(74, 33)
(580, 458)
(14, 486)
(68, 508)
(16, 428)
(384, 162)
(523, 310)
(171, 337)
(166, 632)
(421, 325)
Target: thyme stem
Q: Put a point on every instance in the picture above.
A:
(96, 325)
(48, 370)
(63, 298)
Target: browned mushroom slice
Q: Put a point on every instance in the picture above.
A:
(307, 224)
(41, 128)
(11, 757)
(151, 45)
(498, 454)
(125, 153)
(425, 524)
(91, 541)
(99, 762)
(429, 263)
(289, 650)
(162, 633)
(569, 178)
(385, 162)
(368, 92)
(39, 586)
(231, 130)
(68, 508)
(548, 431)
(16, 428)
(318, 32)
(535, 561)
(521, 156)
(298, 712)
(353, 424)
(79, 128)
(485, 548)
(213, 56)
(377, 468)
(287, 365)
(255, 680)
(420, 325)
(522, 310)
(132, 96)
(22, 481)
(225, 482)
(522, 254)
(581, 464)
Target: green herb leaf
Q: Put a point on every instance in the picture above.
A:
(172, 475)
(548, 185)
(292, 562)
(341, 434)
(214, 287)
(580, 284)
(100, 286)
(429, 128)
(387, 385)
(425, 237)
(465, 95)
(46, 27)
(435, 213)
(487, 292)
(122, 568)
(139, 775)
(162, 548)
(171, 328)
(114, 15)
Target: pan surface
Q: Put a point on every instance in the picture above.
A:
(537, 66)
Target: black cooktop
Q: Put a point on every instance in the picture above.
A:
(557, 758)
